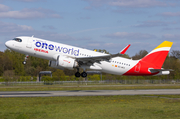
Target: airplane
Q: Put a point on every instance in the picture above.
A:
(62, 56)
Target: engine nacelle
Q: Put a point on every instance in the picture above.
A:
(63, 62)
(53, 64)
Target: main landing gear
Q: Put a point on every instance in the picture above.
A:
(24, 62)
(83, 74)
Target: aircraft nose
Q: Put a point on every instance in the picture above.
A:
(8, 44)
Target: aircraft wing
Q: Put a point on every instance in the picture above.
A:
(101, 58)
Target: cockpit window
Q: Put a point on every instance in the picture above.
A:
(17, 39)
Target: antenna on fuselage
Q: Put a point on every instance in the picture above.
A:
(32, 36)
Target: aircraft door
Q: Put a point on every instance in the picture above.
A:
(29, 43)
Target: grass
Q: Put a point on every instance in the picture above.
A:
(92, 107)
(86, 87)
(88, 107)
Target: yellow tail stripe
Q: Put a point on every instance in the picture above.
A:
(164, 44)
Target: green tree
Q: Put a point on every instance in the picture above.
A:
(13, 61)
(8, 76)
(7, 61)
(1, 63)
(59, 75)
(102, 51)
(140, 55)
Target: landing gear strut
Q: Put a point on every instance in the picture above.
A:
(24, 62)
(77, 74)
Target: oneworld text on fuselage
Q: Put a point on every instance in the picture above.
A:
(65, 50)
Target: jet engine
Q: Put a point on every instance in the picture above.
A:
(63, 62)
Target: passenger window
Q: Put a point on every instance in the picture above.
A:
(17, 39)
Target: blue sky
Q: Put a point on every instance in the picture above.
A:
(93, 24)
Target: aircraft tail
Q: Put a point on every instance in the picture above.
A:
(157, 56)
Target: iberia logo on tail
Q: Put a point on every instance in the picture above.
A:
(151, 64)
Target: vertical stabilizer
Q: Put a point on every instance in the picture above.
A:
(157, 56)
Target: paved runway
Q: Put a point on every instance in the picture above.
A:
(88, 93)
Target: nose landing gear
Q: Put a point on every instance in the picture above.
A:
(24, 62)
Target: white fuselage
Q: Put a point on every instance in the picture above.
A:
(50, 50)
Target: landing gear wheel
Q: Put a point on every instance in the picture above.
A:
(77, 74)
(84, 74)
(24, 62)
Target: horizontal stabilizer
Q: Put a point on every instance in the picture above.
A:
(159, 70)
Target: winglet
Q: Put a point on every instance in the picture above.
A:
(125, 49)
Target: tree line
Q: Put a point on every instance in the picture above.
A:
(11, 66)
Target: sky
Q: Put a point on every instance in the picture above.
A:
(93, 24)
